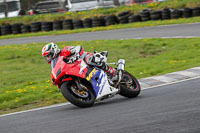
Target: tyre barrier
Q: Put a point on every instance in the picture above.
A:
(187, 13)
(134, 18)
(166, 13)
(16, 28)
(6, 29)
(46, 26)
(57, 25)
(25, 28)
(145, 14)
(67, 24)
(77, 24)
(111, 20)
(155, 15)
(35, 26)
(123, 17)
(97, 22)
(196, 11)
(176, 13)
(87, 23)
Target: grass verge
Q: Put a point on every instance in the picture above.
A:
(112, 27)
(24, 79)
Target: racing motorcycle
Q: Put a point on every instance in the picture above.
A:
(83, 85)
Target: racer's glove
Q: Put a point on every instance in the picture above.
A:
(72, 58)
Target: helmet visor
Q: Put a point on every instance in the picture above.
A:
(48, 58)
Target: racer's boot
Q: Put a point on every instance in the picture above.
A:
(111, 71)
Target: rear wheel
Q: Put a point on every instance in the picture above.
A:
(129, 86)
(84, 98)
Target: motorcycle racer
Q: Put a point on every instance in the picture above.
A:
(72, 53)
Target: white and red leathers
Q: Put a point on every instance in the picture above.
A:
(72, 53)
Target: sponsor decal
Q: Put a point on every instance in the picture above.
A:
(91, 74)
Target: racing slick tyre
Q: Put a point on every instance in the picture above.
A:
(129, 86)
(83, 99)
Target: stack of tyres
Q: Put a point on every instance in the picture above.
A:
(25, 28)
(97, 22)
(134, 18)
(87, 23)
(155, 15)
(47, 26)
(176, 13)
(16, 28)
(196, 11)
(36, 27)
(123, 17)
(77, 24)
(166, 13)
(111, 20)
(6, 29)
(145, 14)
(67, 24)
(187, 12)
(57, 25)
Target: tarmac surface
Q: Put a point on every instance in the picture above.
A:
(167, 31)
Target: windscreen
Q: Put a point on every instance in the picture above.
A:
(53, 62)
(141, 1)
(48, 5)
(12, 6)
(80, 1)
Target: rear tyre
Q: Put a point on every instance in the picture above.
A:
(129, 86)
(81, 99)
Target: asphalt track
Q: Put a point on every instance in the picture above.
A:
(173, 108)
(177, 30)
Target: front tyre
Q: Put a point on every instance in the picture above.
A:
(83, 99)
(129, 85)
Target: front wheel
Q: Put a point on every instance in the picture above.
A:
(84, 98)
(129, 85)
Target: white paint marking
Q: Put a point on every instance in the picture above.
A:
(186, 73)
(164, 79)
(171, 83)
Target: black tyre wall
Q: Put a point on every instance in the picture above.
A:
(196, 11)
(87, 23)
(16, 28)
(97, 22)
(67, 24)
(123, 17)
(77, 24)
(25, 28)
(57, 25)
(187, 12)
(6, 29)
(36, 27)
(47, 26)
(134, 18)
(175, 14)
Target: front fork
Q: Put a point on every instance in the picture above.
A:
(120, 69)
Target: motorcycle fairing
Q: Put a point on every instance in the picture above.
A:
(95, 76)
(100, 84)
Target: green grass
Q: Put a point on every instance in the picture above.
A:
(112, 27)
(25, 76)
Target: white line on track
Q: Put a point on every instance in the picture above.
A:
(63, 104)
